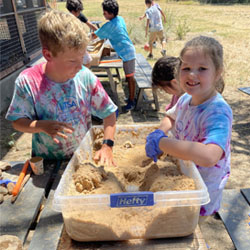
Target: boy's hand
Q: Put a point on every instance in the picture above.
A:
(105, 155)
(55, 128)
(93, 36)
(152, 144)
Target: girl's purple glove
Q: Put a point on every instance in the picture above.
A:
(152, 144)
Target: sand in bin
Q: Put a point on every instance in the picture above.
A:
(133, 168)
(136, 169)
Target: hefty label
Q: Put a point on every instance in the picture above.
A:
(132, 199)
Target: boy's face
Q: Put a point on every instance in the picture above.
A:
(66, 64)
(76, 13)
(107, 15)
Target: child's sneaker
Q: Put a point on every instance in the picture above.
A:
(163, 52)
(150, 56)
(130, 105)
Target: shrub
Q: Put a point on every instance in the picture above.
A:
(182, 29)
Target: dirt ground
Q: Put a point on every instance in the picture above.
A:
(213, 229)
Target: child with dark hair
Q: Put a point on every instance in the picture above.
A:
(116, 31)
(159, 8)
(75, 7)
(163, 77)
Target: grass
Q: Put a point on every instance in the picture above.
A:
(230, 24)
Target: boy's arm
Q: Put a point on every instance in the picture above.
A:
(109, 126)
(104, 32)
(91, 26)
(147, 26)
(105, 154)
(52, 128)
(162, 13)
(141, 17)
(93, 35)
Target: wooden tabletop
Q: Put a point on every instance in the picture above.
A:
(192, 242)
(245, 90)
(112, 61)
(235, 214)
(33, 212)
(18, 218)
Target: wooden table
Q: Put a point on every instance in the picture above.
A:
(32, 214)
(245, 90)
(18, 218)
(235, 214)
(107, 64)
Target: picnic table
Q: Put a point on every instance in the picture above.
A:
(142, 77)
(32, 214)
(235, 214)
(245, 90)
(106, 65)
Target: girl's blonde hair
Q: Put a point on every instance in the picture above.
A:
(59, 30)
(212, 48)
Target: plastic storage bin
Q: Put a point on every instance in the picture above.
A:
(105, 217)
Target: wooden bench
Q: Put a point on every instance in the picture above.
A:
(48, 231)
(19, 218)
(235, 214)
(245, 90)
(143, 72)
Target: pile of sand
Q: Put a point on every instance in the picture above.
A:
(133, 168)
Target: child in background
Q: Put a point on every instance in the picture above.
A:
(202, 120)
(54, 100)
(75, 7)
(155, 27)
(163, 76)
(159, 8)
(116, 31)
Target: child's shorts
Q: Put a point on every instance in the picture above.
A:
(129, 68)
(153, 35)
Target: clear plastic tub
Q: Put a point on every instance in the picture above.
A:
(91, 217)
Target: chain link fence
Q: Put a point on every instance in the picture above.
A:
(19, 41)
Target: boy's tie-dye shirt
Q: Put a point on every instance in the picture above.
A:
(209, 122)
(38, 98)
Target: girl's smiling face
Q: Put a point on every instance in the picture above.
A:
(198, 75)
